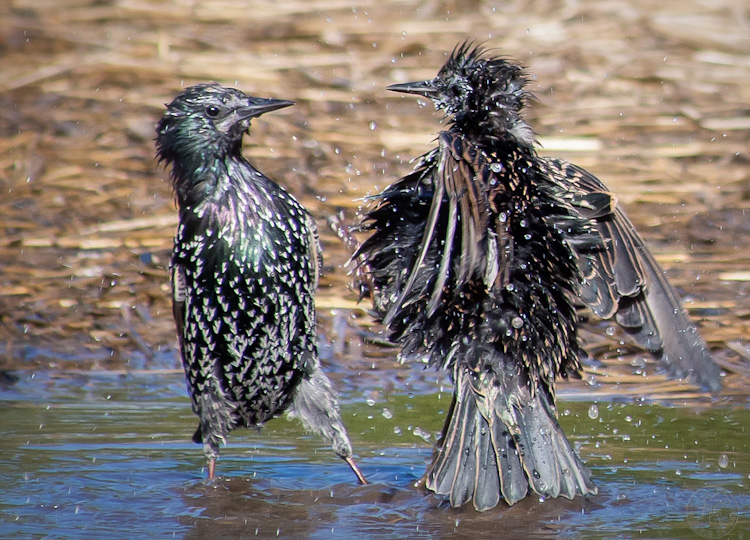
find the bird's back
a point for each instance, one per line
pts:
(493, 212)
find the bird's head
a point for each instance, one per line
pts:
(207, 120)
(480, 94)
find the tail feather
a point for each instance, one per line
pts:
(453, 471)
(503, 447)
(548, 459)
(487, 479)
(514, 484)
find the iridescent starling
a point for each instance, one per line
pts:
(244, 270)
(476, 260)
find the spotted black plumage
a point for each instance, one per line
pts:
(244, 271)
(474, 261)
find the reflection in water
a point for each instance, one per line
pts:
(292, 498)
(237, 507)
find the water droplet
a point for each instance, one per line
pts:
(723, 461)
(503, 217)
(387, 414)
(516, 322)
(419, 432)
(397, 430)
(610, 331)
(373, 125)
(536, 474)
(594, 412)
(496, 167)
(370, 402)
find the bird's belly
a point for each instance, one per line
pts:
(249, 347)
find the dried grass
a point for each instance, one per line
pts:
(652, 98)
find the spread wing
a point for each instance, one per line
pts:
(459, 209)
(624, 281)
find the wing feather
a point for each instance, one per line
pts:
(624, 280)
(459, 202)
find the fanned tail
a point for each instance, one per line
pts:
(499, 440)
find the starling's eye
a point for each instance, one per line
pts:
(212, 111)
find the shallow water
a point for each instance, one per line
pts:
(106, 455)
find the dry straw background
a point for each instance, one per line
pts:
(652, 97)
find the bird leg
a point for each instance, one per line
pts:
(357, 472)
(211, 468)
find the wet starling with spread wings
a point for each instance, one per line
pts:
(475, 260)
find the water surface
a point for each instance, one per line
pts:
(108, 455)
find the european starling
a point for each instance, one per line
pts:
(244, 270)
(475, 261)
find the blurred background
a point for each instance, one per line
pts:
(651, 97)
